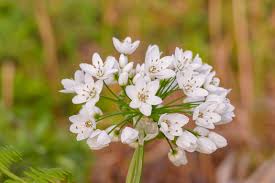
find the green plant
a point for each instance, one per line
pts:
(10, 156)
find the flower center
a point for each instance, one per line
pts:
(153, 69)
(100, 73)
(142, 96)
(88, 124)
(92, 93)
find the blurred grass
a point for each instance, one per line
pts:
(34, 115)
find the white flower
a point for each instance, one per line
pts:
(218, 140)
(100, 70)
(157, 67)
(70, 84)
(98, 139)
(177, 157)
(206, 116)
(143, 95)
(187, 141)
(129, 135)
(205, 145)
(140, 72)
(191, 83)
(83, 123)
(211, 83)
(125, 47)
(224, 108)
(171, 124)
(88, 92)
(182, 59)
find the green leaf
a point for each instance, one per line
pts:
(135, 168)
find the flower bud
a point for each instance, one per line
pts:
(219, 140)
(187, 141)
(123, 79)
(98, 140)
(123, 61)
(128, 135)
(177, 157)
(205, 145)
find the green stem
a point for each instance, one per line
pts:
(112, 114)
(108, 98)
(122, 122)
(110, 90)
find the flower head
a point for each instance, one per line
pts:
(143, 94)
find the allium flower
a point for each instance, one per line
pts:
(191, 83)
(129, 135)
(142, 98)
(177, 157)
(171, 124)
(205, 145)
(157, 67)
(206, 116)
(99, 69)
(99, 139)
(143, 95)
(84, 123)
(125, 47)
(187, 141)
(70, 84)
(88, 92)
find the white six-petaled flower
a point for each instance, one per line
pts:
(88, 92)
(144, 101)
(143, 95)
(99, 69)
(125, 47)
(171, 124)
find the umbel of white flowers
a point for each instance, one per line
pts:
(145, 110)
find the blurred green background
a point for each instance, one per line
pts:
(43, 41)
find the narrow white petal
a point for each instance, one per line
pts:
(145, 109)
(97, 61)
(131, 92)
(79, 99)
(154, 100)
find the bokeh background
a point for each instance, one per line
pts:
(43, 41)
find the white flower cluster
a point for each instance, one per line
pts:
(146, 113)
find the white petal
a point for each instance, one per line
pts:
(99, 85)
(109, 63)
(219, 140)
(145, 109)
(165, 74)
(154, 100)
(153, 87)
(198, 92)
(79, 99)
(140, 83)
(131, 92)
(205, 145)
(117, 44)
(79, 76)
(89, 79)
(135, 104)
(88, 68)
(97, 61)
